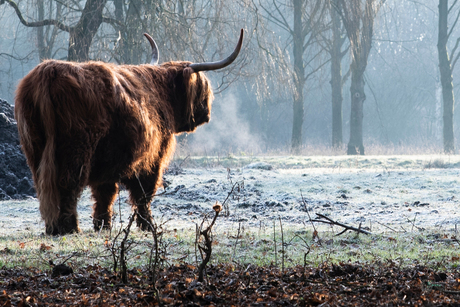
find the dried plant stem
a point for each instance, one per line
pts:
(154, 260)
(123, 249)
(197, 239)
(224, 204)
(282, 245)
(237, 238)
(306, 210)
(274, 241)
(207, 247)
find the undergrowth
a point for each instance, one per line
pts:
(258, 246)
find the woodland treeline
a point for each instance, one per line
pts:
(340, 74)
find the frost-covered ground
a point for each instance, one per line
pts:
(383, 193)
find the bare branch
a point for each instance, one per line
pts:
(112, 21)
(41, 23)
(454, 24)
(281, 23)
(344, 52)
(326, 220)
(346, 76)
(316, 69)
(451, 7)
(282, 16)
(452, 53)
(454, 61)
(17, 58)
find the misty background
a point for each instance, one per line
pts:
(255, 106)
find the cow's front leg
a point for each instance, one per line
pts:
(142, 188)
(104, 196)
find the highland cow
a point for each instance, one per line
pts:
(100, 125)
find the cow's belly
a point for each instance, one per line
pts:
(112, 161)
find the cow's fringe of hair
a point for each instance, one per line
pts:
(190, 80)
(197, 85)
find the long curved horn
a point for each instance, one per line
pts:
(219, 64)
(155, 52)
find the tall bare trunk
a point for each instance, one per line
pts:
(46, 35)
(299, 73)
(359, 24)
(355, 145)
(80, 36)
(445, 71)
(40, 32)
(336, 80)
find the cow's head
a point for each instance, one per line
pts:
(192, 87)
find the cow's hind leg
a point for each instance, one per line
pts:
(73, 165)
(104, 196)
(142, 189)
(67, 221)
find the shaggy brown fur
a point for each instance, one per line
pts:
(96, 124)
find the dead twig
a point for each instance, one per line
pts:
(124, 249)
(274, 242)
(235, 186)
(326, 220)
(282, 245)
(306, 210)
(413, 223)
(155, 257)
(237, 238)
(206, 248)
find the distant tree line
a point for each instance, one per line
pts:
(292, 48)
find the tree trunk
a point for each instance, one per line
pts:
(299, 73)
(81, 36)
(360, 26)
(40, 32)
(129, 48)
(134, 37)
(445, 71)
(46, 36)
(120, 56)
(355, 145)
(336, 81)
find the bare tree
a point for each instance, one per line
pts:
(81, 34)
(46, 35)
(334, 47)
(308, 22)
(135, 18)
(446, 66)
(358, 19)
(185, 29)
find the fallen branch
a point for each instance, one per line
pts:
(394, 230)
(329, 221)
(413, 224)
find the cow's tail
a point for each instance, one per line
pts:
(36, 118)
(47, 181)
